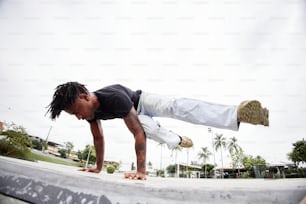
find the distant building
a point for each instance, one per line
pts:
(53, 148)
(187, 171)
(278, 170)
(229, 172)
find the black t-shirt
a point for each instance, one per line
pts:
(115, 101)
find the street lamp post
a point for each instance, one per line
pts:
(212, 138)
(46, 141)
(87, 160)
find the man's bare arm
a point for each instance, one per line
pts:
(98, 138)
(133, 123)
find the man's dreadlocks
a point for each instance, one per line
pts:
(64, 96)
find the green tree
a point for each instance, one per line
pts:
(171, 169)
(69, 147)
(16, 142)
(36, 144)
(298, 154)
(232, 145)
(235, 151)
(160, 173)
(204, 154)
(79, 154)
(219, 143)
(250, 163)
(236, 158)
(92, 156)
(63, 153)
(208, 168)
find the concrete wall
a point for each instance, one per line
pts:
(50, 183)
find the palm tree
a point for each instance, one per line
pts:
(235, 151)
(204, 154)
(176, 149)
(219, 143)
(232, 145)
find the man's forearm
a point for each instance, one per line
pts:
(134, 125)
(140, 147)
(97, 133)
(99, 147)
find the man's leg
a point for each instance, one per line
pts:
(201, 112)
(189, 110)
(161, 135)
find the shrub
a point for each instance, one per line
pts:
(110, 169)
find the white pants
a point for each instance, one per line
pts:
(185, 109)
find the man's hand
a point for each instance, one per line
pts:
(93, 170)
(134, 125)
(137, 176)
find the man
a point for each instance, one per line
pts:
(137, 108)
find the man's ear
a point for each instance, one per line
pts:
(84, 96)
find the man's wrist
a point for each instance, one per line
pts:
(143, 171)
(99, 166)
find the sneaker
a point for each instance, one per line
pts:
(252, 112)
(186, 142)
(266, 116)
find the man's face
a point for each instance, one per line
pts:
(82, 108)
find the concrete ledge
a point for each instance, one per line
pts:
(40, 182)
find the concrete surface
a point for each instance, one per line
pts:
(41, 182)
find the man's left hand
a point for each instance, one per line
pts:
(137, 176)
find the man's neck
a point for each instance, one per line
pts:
(95, 101)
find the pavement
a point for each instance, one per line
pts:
(41, 182)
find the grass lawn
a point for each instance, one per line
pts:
(47, 158)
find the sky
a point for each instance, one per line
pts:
(218, 51)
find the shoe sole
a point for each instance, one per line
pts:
(252, 112)
(186, 142)
(266, 116)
